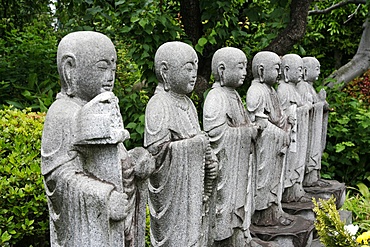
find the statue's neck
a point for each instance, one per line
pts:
(177, 95)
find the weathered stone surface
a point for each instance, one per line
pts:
(318, 121)
(178, 199)
(230, 131)
(298, 233)
(86, 168)
(265, 111)
(292, 105)
(279, 115)
(331, 188)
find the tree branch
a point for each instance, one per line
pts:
(294, 31)
(335, 6)
(359, 64)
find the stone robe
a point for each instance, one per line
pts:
(78, 201)
(263, 102)
(173, 136)
(295, 164)
(318, 120)
(229, 129)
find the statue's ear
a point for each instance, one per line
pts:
(261, 70)
(68, 64)
(221, 72)
(305, 71)
(286, 75)
(163, 70)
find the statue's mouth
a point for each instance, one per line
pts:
(108, 87)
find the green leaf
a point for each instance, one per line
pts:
(119, 2)
(199, 48)
(202, 41)
(143, 22)
(134, 19)
(131, 125)
(364, 190)
(5, 237)
(341, 146)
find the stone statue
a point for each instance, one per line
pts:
(290, 99)
(180, 186)
(318, 121)
(269, 222)
(231, 132)
(265, 111)
(88, 174)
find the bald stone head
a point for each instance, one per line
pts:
(311, 69)
(292, 68)
(176, 66)
(86, 64)
(266, 67)
(229, 66)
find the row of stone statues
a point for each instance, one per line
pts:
(224, 186)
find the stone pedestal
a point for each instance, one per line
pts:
(303, 209)
(298, 234)
(325, 192)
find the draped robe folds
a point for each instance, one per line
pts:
(78, 202)
(228, 126)
(317, 130)
(291, 103)
(173, 136)
(271, 144)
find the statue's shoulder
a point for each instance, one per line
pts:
(157, 113)
(216, 96)
(255, 95)
(256, 88)
(62, 111)
(58, 134)
(215, 108)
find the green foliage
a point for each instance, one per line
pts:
(27, 64)
(346, 155)
(21, 12)
(333, 38)
(146, 26)
(358, 202)
(23, 205)
(329, 226)
(133, 96)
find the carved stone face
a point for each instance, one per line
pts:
(293, 68)
(271, 70)
(311, 69)
(95, 71)
(235, 70)
(182, 75)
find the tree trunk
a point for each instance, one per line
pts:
(359, 64)
(295, 30)
(191, 19)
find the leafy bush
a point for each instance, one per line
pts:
(133, 96)
(332, 231)
(346, 156)
(358, 202)
(329, 226)
(23, 205)
(28, 71)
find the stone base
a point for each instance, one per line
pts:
(325, 192)
(303, 209)
(298, 234)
